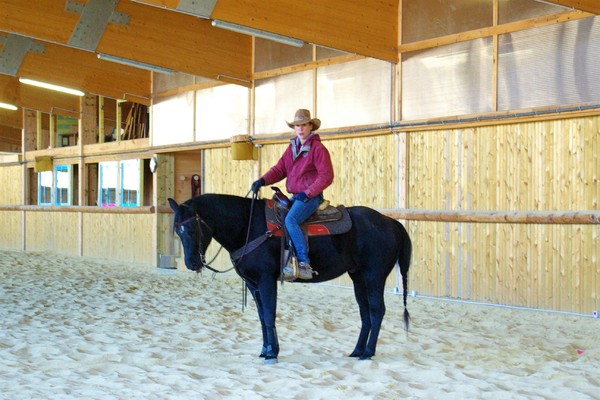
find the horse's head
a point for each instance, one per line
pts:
(194, 233)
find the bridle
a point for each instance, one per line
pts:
(200, 222)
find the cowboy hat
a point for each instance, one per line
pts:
(303, 117)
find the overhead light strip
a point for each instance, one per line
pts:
(258, 33)
(51, 86)
(133, 63)
(9, 106)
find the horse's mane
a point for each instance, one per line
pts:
(223, 205)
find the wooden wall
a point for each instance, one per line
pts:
(11, 228)
(125, 237)
(56, 232)
(547, 165)
(11, 178)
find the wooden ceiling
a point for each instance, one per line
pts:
(58, 41)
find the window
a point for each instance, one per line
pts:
(45, 188)
(120, 183)
(131, 183)
(62, 185)
(107, 186)
(55, 187)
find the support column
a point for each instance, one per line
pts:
(163, 240)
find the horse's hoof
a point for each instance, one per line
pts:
(269, 361)
(355, 354)
(363, 358)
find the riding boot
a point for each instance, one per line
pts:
(305, 271)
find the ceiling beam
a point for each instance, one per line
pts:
(77, 69)
(355, 26)
(199, 8)
(151, 35)
(11, 119)
(591, 6)
(180, 42)
(34, 98)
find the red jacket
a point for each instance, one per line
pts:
(309, 172)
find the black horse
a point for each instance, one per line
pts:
(368, 252)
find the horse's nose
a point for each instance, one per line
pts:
(192, 263)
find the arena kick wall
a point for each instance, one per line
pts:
(550, 165)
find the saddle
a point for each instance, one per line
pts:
(327, 220)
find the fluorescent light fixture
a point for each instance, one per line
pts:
(51, 86)
(133, 63)
(258, 33)
(8, 106)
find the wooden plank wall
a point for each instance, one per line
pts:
(547, 165)
(42, 228)
(11, 230)
(11, 178)
(124, 237)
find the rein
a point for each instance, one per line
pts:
(236, 256)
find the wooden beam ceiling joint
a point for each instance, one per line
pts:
(14, 49)
(94, 16)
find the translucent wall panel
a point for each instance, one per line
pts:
(426, 19)
(324, 52)
(173, 120)
(277, 99)
(446, 81)
(551, 65)
(221, 112)
(271, 55)
(518, 10)
(163, 82)
(355, 93)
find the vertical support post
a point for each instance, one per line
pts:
(119, 120)
(163, 183)
(100, 119)
(39, 140)
(52, 127)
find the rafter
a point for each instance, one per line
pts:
(591, 6)
(368, 29)
(152, 35)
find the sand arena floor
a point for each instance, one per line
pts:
(76, 328)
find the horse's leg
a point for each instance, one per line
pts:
(376, 312)
(268, 295)
(259, 307)
(361, 295)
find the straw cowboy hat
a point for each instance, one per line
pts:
(303, 117)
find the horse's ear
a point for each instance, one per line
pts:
(173, 204)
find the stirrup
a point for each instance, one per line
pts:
(290, 271)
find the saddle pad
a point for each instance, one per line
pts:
(331, 221)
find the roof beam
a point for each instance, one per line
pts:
(355, 26)
(591, 6)
(34, 98)
(199, 8)
(67, 66)
(11, 119)
(152, 35)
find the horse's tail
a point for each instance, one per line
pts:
(404, 257)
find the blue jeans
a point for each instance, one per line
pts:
(299, 212)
